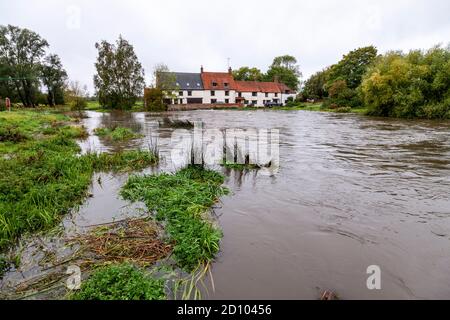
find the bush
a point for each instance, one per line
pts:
(407, 86)
(120, 282)
(435, 111)
(2, 105)
(78, 104)
(154, 99)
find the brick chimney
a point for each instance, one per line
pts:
(201, 69)
(230, 71)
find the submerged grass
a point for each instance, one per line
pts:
(176, 123)
(182, 201)
(43, 176)
(120, 282)
(135, 240)
(117, 133)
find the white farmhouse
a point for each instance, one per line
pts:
(220, 88)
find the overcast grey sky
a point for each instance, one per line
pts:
(187, 34)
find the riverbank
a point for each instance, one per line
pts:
(45, 178)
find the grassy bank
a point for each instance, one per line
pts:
(182, 201)
(43, 176)
(95, 106)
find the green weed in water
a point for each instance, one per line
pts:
(120, 282)
(182, 201)
(117, 133)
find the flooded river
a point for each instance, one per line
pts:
(350, 192)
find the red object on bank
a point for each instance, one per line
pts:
(8, 104)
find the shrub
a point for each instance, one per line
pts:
(120, 282)
(409, 85)
(154, 99)
(2, 105)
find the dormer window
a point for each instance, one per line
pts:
(214, 84)
(226, 84)
(198, 84)
(187, 84)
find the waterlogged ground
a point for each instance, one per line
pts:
(350, 192)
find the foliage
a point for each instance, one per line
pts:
(164, 79)
(181, 200)
(154, 99)
(54, 77)
(117, 133)
(247, 74)
(120, 78)
(315, 86)
(120, 282)
(76, 96)
(21, 52)
(285, 70)
(43, 175)
(353, 66)
(344, 78)
(4, 265)
(410, 85)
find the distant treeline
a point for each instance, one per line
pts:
(412, 85)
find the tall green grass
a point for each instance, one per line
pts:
(182, 200)
(43, 177)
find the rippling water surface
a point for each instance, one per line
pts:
(351, 192)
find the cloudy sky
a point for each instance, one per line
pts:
(187, 34)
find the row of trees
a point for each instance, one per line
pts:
(416, 84)
(25, 67)
(283, 68)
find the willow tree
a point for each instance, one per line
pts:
(120, 77)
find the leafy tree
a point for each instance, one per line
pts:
(120, 77)
(286, 70)
(248, 74)
(353, 66)
(314, 87)
(76, 96)
(21, 52)
(344, 78)
(53, 77)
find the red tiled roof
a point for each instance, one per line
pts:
(255, 86)
(220, 78)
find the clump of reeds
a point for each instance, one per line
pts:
(241, 159)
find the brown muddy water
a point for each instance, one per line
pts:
(350, 192)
